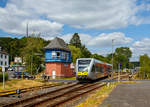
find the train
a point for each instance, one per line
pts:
(92, 69)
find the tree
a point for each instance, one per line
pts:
(99, 57)
(144, 67)
(33, 46)
(122, 56)
(85, 52)
(75, 53)
(75, 40)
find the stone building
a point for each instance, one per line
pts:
(58, 59)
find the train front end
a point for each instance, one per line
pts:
(82, 69)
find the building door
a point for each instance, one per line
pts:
(53, 74)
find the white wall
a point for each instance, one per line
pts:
(4, 60)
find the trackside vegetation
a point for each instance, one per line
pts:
(144, 72)
(1, 76)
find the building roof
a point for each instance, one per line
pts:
(3, 52)
(57, 43)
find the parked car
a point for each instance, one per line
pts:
(23, 75)
(10, 69)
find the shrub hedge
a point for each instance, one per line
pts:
(1, 76)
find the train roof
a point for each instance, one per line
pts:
(95, 60)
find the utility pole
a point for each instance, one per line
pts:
(112, 57)
(31, 61)
(27, 32)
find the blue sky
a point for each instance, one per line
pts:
(97, 22)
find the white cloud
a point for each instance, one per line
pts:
(14, 20)
(140, 48)
(105, 40)
(52, 14)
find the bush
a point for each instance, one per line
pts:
(1, 77)
(0, 69)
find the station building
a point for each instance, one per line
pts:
(58, 59)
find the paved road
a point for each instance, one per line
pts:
(129, 95)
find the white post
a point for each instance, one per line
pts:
(119, 72)
(3, 70)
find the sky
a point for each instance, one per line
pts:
(97, 22)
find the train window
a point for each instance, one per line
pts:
(102, 69)
(84, 62)
(97, 68)
(93, 68)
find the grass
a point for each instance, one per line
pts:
(96, 99)
(18, 84)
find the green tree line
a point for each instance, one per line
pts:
(31, 50)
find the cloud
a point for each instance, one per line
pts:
(14, 20)
(53, 14)
(140, 48)
(105, 40)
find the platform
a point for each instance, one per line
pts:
(129, 95)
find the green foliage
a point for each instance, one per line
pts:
(33, 46)
(144, 67)
(85, 52)
(11, 46)
(1, 76)
(75, 40)
(26, 47)
(122, 56)
(99, 57)
(75, 53)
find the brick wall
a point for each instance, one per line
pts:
(61, 69)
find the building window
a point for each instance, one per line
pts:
(1, 55)
(63, 55)
(1, 62)
(53, 54)
(5, 56)
(5, 63)
(67, 56)
(58, 55)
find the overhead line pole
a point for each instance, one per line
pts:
(27, 30)
(112, 57)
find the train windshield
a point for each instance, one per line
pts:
(84, 62)
(83, 65)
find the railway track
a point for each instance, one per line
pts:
(23, 90)
(54, 97)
